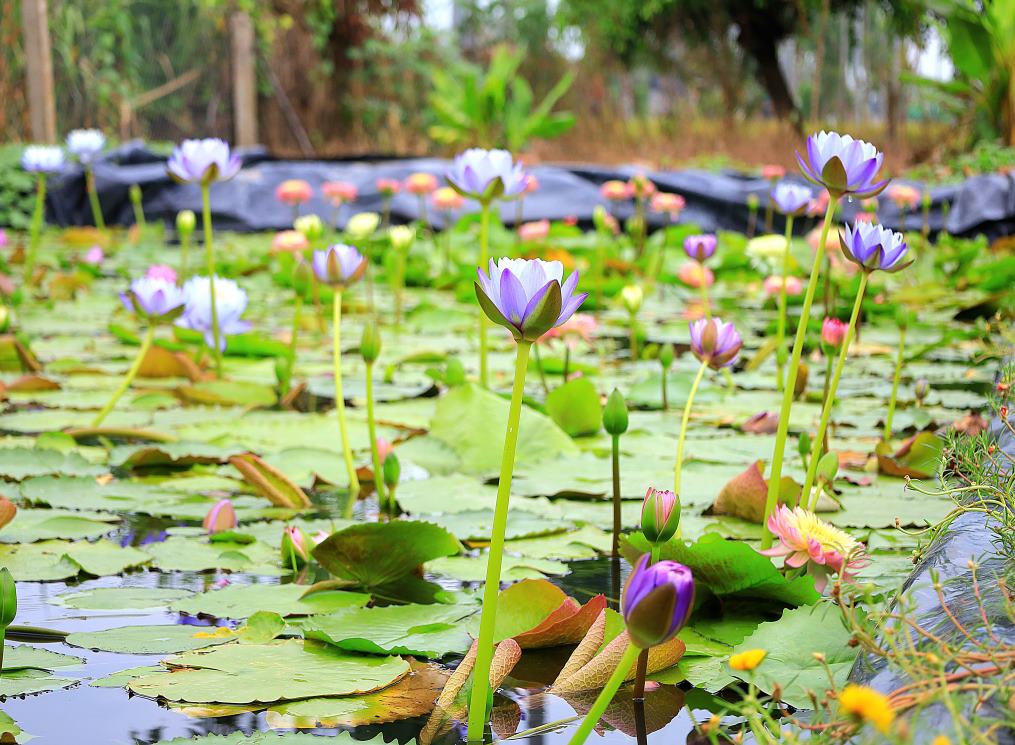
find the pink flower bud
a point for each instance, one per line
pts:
(161, 271)
(289, 241)
(447, 199)
(388, 187)
(94, 256)
(383, 449)
(534, 231)
(693, 274)
(773, 285)
(294, 191)
(660, 515)
(616, 191)
(295, 547)
(833, 332)
(220, 517)
(421, 184)
(339, 192)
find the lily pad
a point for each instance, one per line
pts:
(423, 630)
(121, 598)
(241, 601)
(151, 639)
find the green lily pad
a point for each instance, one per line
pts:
(241, 601)
(424, 630)
(23, 656)
(30, 680)
(285, 670)
(20, 463)
(122, 677)
(31, 525)
(152, 639)
(53, 560)
(121, 598)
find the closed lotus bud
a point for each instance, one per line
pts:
(657, 601)
(666, 356)
(660, 515)
(8, 599)
(921, 389)
(632, 297)
(303, 277)
(220, 517)
(635, 225)
(600, 219)
(804, 445)
(7, 511)
(903, 316)
(454, 373)
(362, 225)
(370, 343)
(615, 417)
(752, 201)
(186, 221)
(401, 237)
(715, 343)
(295, 547)
(800, 386)
(828, 467)
(135, 193)
(392, 470)
(311, 226)
(833, 332)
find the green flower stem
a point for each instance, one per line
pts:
(139, 218)
(484, 251)
(605, 696)
(780, 349)
(184, 256)
(297, 321)
(895, 386)
(615, 545)
(375, 455)
(826, 410)
(661, 257)
(209, 250)
(424, 218)
(634, 337)
(683, 427)
(566, 373)
(775, 477)
(703, 286)
(488, 620)
(666, 394)
(336, 360)
(93, 198)
(600, 277)
(399, 286)
(146, 344)
(36, 228)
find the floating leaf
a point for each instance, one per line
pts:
(744, 496)
(151, 639)
(918, 457)
(575, 407)
(269, 482)
(23, 656)
(423, 630)
(30, 680)
(241, 601)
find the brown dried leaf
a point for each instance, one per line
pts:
(33, 383)
(595, 674)
(745, 495)
(566, 625)
(585, 650)
(269, 482)
(7, 511)
(658, 709)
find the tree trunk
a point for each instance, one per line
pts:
(821, 36)
(760, 44)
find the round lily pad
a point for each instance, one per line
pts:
(121, 598)
(146, 639)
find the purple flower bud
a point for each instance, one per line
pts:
(660, 515)
(790, 198)
(86, 144)
(657, 601)
(921, 389)
(202, 162)
(42, 159)
(295, 547)
(155, 298)
(339, 265)
(842, 165)
(528, 296)
(220, 517)
(874, 247)
(715, 342)
(700, 247)
(230, 302)
(486, 175)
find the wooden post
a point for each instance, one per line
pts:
(39, 70)
(244, 80)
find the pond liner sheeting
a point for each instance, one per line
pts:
(969, 537)
(715, 200)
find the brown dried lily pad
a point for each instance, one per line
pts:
(566, 625)
(917, 458)
(745, 495)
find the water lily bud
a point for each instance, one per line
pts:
(803, 373)
(715, 343)
(903, 316)
(8, 598)
(635, 225)
(295, 547)
(392, 470)
(657, 601)
(401, 237)
(362, 225)
(666, 356)
(752, 201)
(370, 343)
(454, 373)
(828, 467)
(803, 445)
(632, 297)
(135, 193)
(303, 276)
(599, 219)
(921, 389)
(283, 371)
(220, 517)
(311, 226)
(660, 515)
(833, 332)
(7, 511)
(615, 418)
(186, 221)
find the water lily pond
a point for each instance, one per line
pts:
(150, 611)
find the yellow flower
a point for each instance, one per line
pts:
(747, 660)
(941, 740)
(867, 705)
(767, 247)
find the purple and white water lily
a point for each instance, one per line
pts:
(874, 247)
(715, 343)
(790, 198)
(528, 296)
(230, 302)
(86, 144)
(842, 165)
(486, 175)
(42, 159)
(339, 265)
(203, 161)
(155, 298)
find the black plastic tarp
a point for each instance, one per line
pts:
(982, 204)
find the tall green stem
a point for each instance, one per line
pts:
(488, 620)
(209, 250)
(375, 455)
(895, 385)
(336, 363)
(36, 229)
(775, 477)
(780, 349)
(683, 427)
(297, 321)
(184, 256)
(484, 251)
(605, 696)
(146, 344)
(93, 198)
(826, 410)
(615, 465)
